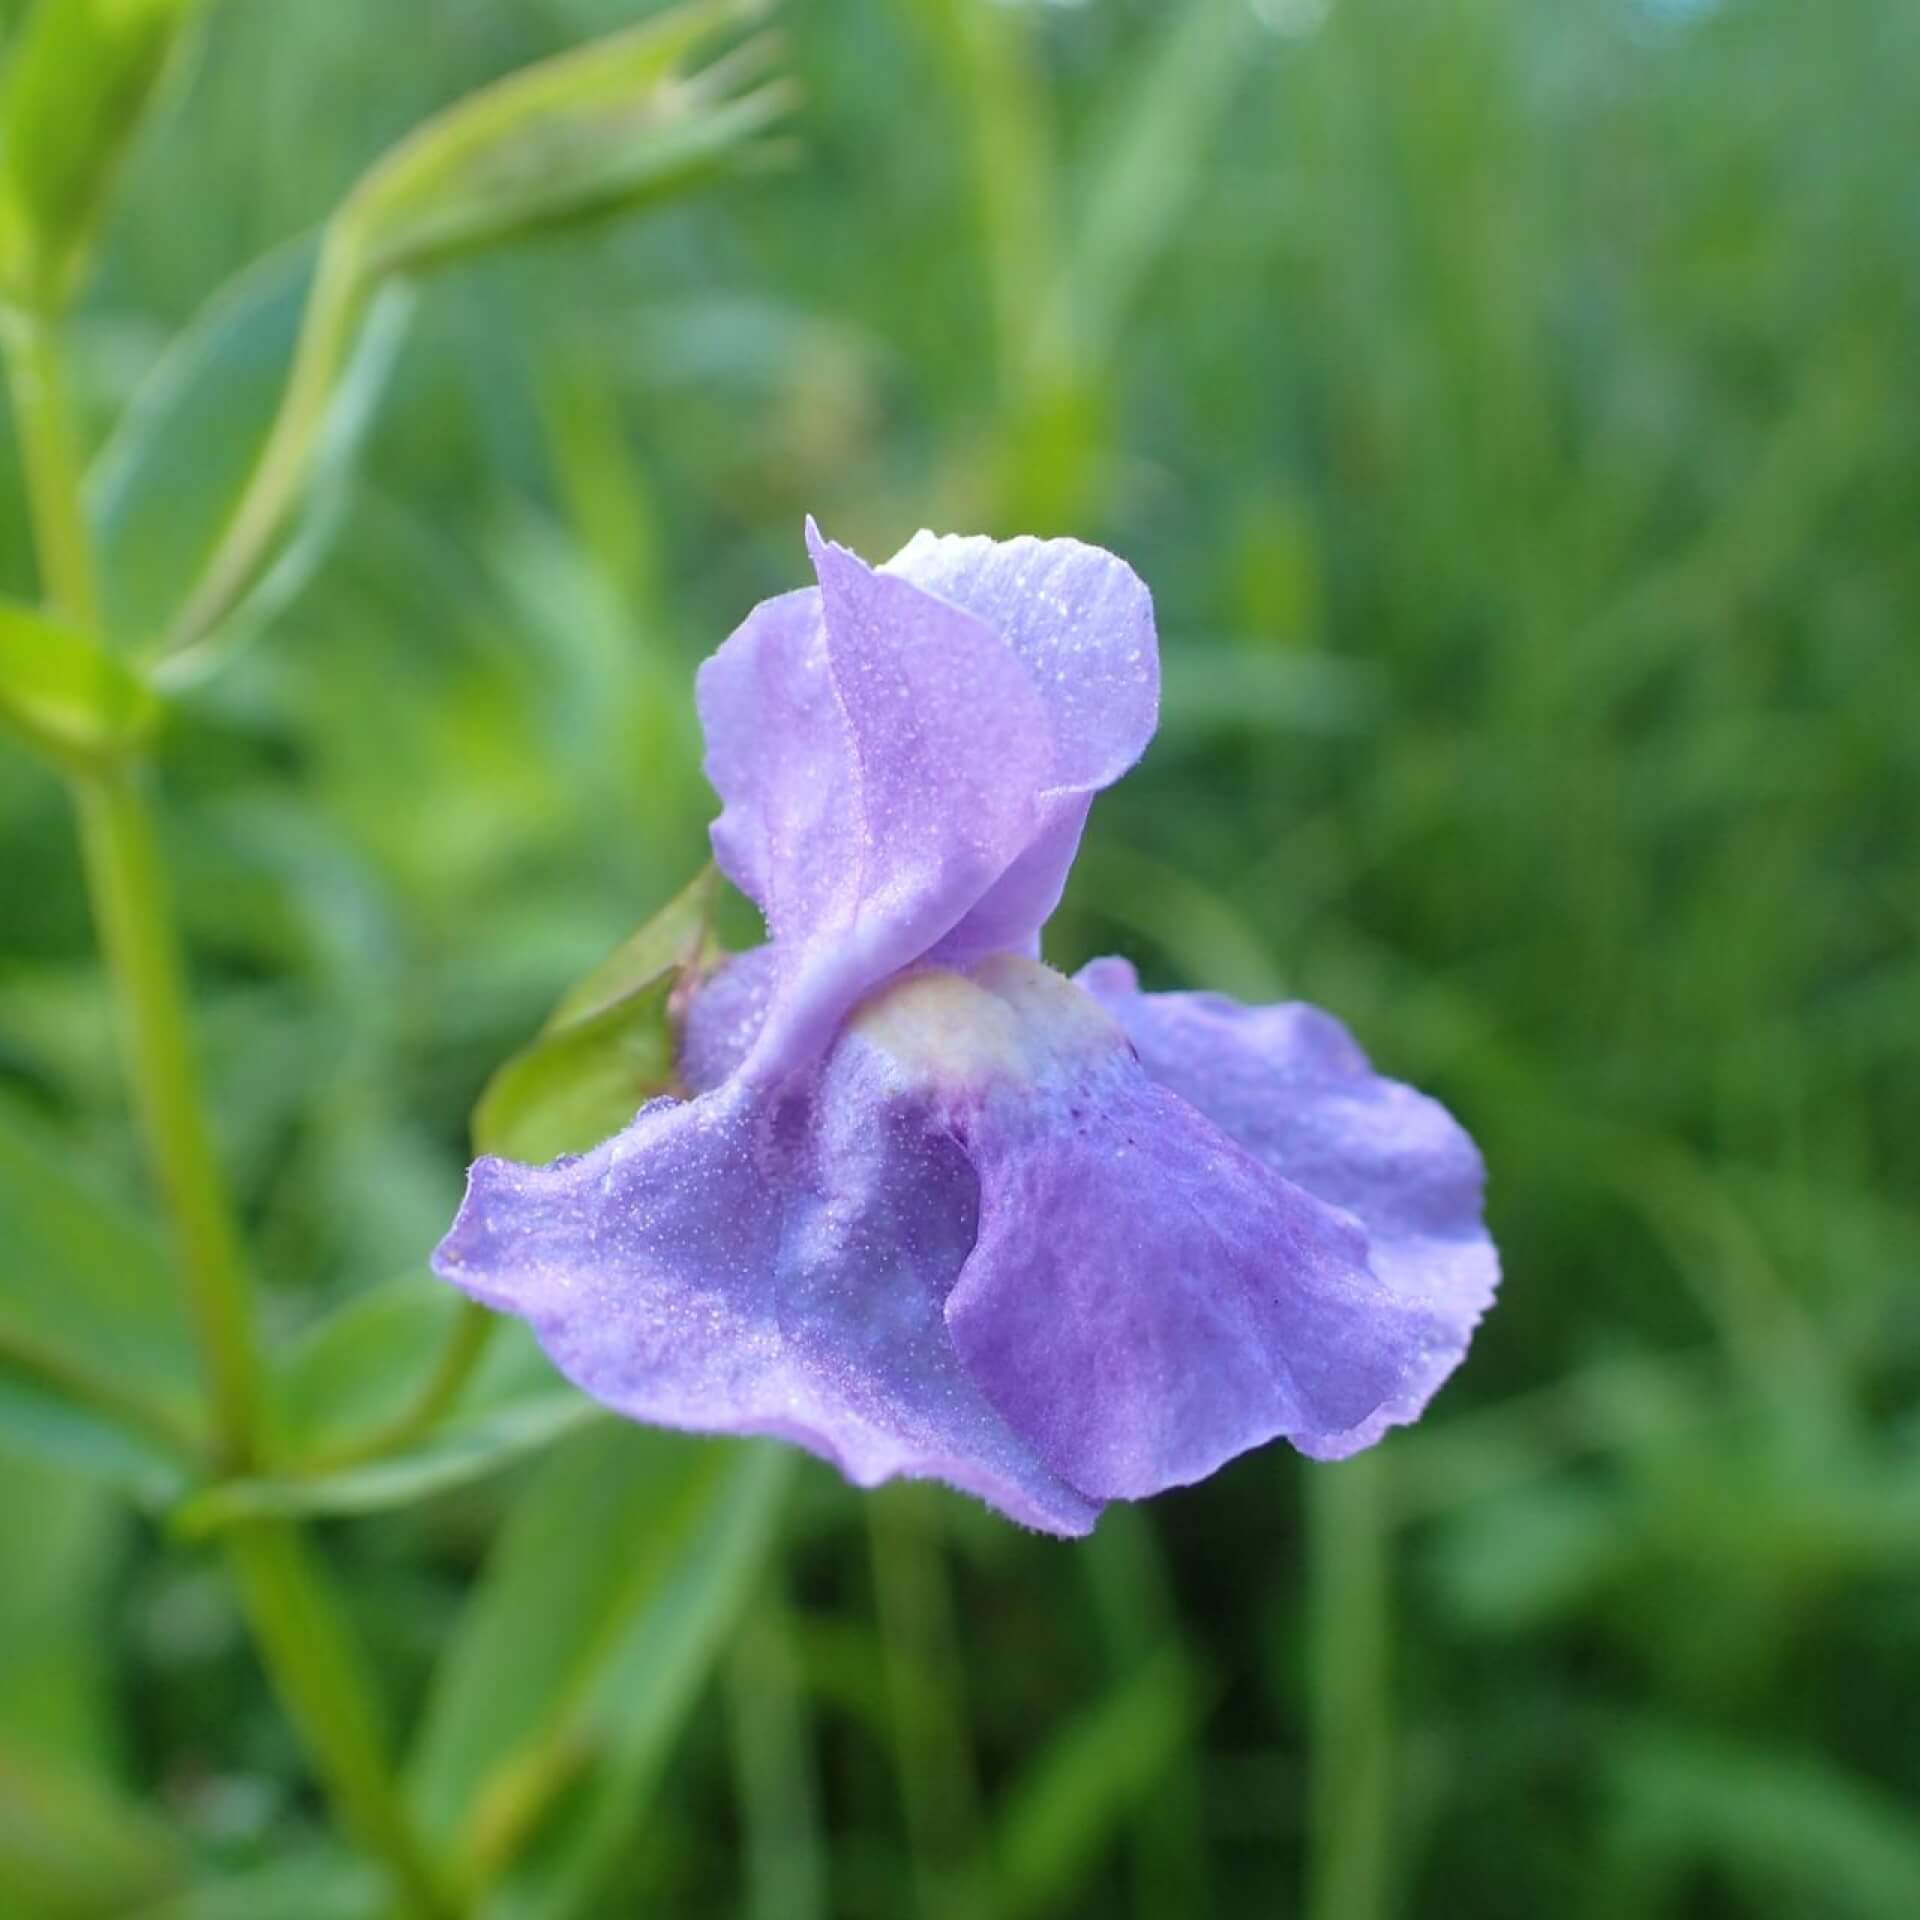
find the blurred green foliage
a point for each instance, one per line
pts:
(1511, 408)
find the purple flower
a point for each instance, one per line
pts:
(933, 1209)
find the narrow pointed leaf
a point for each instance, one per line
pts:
(653, 1685)
(1797, 1832)
(588, 133)
(73, 1848)
(166, 485)
(1082, 1789)
(76, 87)
(361, 1365)
(515, 1406)
(605, 128)
(97, 1367)
(299, 1882)
(607, 1601)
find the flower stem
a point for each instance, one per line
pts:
(306, 1642)
(1349, 1853)
(130, 910)
(50, 460)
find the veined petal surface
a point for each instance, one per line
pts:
(1145, 1299)
(1289, 1084)
(736, 1264)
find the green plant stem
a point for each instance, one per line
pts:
(465, 1344)
(50, 460)
(322, 1685)
(304, 1638)
(135, 927)
(1350, 1758)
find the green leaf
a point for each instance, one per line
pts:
(607, 1600)
(52, 1413)
(72, 1848)
(310, 1882)
(97, 1368)
(1800, 1834)
(516, 1406)
(594, 131)
(166, 485)
(1072, 1803)
(69, 1843)
(64, 693)
(76, 88)
(774, 1743)
(608, 1046)
(1150, 161)
(361, 1365)
(61, 1558)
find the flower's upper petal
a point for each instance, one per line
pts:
(882, 755)
(742, 1264)
(779, 753)
(1289, 1085)
(723, 1018)
(1144, 1299)
(1081, 622)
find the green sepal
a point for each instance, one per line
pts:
(609, 1045)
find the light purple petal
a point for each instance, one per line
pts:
(1077, 618)
(907, 756)
(724, 1016)
(1145, 1299)
(882, 755)
(778, 749)
(1289, 1084)
(1081, 622)
(743, 1265)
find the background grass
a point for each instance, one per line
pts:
(1513, 410)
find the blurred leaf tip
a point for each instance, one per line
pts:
(625, 122)
(78, 80)
(588, 132)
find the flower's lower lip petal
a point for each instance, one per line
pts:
(1289, 1085)
(1145, 1301)
(729, 1267)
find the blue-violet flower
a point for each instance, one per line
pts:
(933, 1209)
